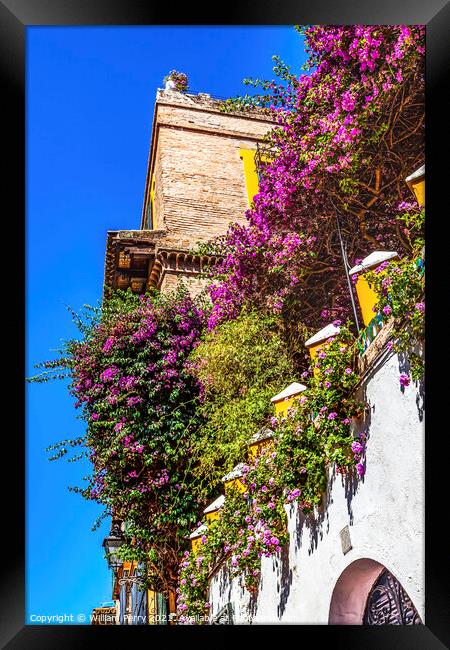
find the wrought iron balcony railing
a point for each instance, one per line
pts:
(368, 334)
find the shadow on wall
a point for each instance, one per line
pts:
(284, 581)
(253, 603)
(224, 582)
(360, 425)
(225, 586)
(315, 521)
(351, 482)
(308, 530)
(404, 366)
(318, 522)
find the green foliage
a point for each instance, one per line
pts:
(414, 228)
(241, 365)
(130, 377)
(273, 94)
(292, 466)
(400, 287)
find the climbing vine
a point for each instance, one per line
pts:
(293, 466)
(400, 285)
(347, 134)
(129, 377)
(240, 366)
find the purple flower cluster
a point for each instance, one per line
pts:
(109, 374)
(404, 379)
(323, 119)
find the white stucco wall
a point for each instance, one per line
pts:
(384, 512)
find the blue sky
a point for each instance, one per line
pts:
(90, 97)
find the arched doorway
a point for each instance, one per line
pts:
(366, 593)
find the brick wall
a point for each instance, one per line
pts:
(199, 176)
(200, 184)
(171, 280)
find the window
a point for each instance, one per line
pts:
(148, 219)
(149, 225)
(251, 175)
(254, 160)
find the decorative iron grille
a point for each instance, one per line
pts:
(264, 154)
(369, 333)
(389, 604)
(224, 616)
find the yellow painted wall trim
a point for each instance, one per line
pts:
(212, 516)
(251, 176)
(281, 408)
(416, 183)
(152, 607)
(314, 343)
(151, 226)
(418, 187)
(234, 483)
(257, 448)
(196, 537)
(367, 298)
(196, 544)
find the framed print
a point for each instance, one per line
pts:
(228, 283)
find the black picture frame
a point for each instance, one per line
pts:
(15, 17)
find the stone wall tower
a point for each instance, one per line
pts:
(201, 176)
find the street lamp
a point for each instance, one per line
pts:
(111, 544)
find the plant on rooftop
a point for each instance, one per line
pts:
(179, 79)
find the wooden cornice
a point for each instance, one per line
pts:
(139, 259)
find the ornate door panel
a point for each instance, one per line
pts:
(389, 604)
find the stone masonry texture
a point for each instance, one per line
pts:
(200, 184)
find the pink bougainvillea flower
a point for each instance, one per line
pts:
(357, 447)
(404, 379)
(360, 469)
